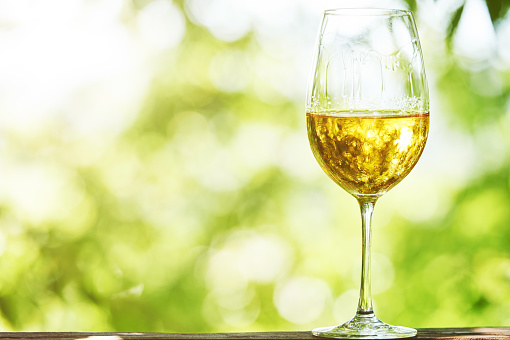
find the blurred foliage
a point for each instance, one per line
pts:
(206, 212)
(497, 10)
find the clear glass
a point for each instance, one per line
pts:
(367, 113)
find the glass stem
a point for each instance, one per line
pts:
(365, 298)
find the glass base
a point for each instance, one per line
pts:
(365, 327)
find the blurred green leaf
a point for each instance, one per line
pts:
(454, 22)
(497, 9)
(411, 4)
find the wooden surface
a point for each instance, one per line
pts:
(425, 333)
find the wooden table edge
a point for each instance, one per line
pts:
(474, 333)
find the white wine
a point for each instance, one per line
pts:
(367, 152)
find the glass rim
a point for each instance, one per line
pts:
(367, 12)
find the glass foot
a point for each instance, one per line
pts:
(364, 327)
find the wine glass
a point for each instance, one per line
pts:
(367, 115)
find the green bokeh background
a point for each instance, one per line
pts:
(185, 197)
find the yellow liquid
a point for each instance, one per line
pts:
(367, 153)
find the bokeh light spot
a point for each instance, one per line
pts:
(161, 24)
(301, 299)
